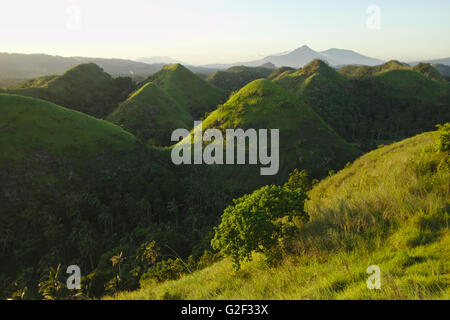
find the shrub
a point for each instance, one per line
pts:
(257, 222)
(443, 142)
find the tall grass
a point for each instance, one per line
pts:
(390, 208)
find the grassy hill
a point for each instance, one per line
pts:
(237, 77)
(86, 88)
(390, 208)
(192, 93)
(371, 105)
(426, 69)
(306, 141)
(71, 187)
(31, 125)
(280, 72)
(151, 115)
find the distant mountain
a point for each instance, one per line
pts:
(443, 69)
(300, 57)
(345, 57)
(23, 66)
(158, 60)
(444, 61)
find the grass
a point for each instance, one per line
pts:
(30, 125)
(191, 92)
(306, 141)
(389, 208)
(86, 88)
(150, 114)
(237, 77)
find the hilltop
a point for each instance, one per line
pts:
(151, 115)
(389, 209)
(191, 92)
(30, 125)
(86, 88)
(370, 105)
(237, 77)
(306, 141)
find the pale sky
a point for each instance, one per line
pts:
(223, 31)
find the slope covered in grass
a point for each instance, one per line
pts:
(86, 88)
(151, 115)
(390, 208)
(390, 102)
(192, 93)
(30, 125)
(237, 77)
(305, 141)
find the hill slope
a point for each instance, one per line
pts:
(84, 88)
(306, 141)
(30, 125)
(191, 92)
(390, 208)
(235, 78)
(373, 104)
(150, 114)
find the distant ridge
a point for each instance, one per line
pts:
(303, 55)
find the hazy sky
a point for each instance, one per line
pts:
(207, 31)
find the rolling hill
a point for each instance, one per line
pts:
(192, 93)
(151, 115)
(389, 209)
(86, 88)
(31, 125)
(306, 141)
(237, 77)
(369, 105)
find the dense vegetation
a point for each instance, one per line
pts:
(389, 208)
(191, 92)
(86, 88)
(80, 190)
(370, 105)
(151, 115)
(235, 78)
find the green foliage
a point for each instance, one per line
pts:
(389, 208)
(28, 125)
(237, 77)
(443, 141)
(151, 115)
(366, 105)
(298, 180)
(84, 88)
(306, 141)
(193, 94)
(257, 222)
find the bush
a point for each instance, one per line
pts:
(443, 142)
(257, 222)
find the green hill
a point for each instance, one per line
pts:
(151, 115)
(191, 92)
(390, 208)
(280, 72)
(427, 69)
(306, 141)
(86, 88)
(390, 102)
(31, 125)
(237, 77)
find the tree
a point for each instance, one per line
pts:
(257, 222)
